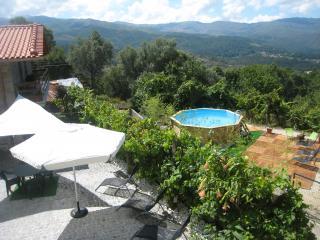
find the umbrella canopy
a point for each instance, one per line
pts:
(84, 144)
(26, 117)
(81, 144)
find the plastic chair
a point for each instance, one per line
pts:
(313, 137)
(289, 133)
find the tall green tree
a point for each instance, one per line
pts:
(129, 60)
(19, 20)
(89, 56)
(57, 63)
(115, 82)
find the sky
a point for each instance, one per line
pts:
(163, 11)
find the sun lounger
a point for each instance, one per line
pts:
(151, 231)
(143, 205)
(308, 158)
(120, 181)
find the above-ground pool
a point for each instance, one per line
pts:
(218, 125)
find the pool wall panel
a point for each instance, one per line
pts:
(222, 134)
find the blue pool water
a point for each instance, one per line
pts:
(203, 117)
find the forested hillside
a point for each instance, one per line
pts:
(159, 76)
(288, 42)
(300, 35)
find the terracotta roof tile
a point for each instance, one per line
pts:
(18, 42)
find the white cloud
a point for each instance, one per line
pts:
(232, 9)
(302, 7)
(256, 4)
(294, 6)
(161, 11)
(264, 18)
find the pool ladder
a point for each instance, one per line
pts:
(244, 130)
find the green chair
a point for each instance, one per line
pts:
(289, 133)
(313, 137)
(10, 180)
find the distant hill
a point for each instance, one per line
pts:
(3, 21)
(293, 42)
(299, 35)
(121, 34)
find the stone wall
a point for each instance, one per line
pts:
(11, 74)
(7, 87)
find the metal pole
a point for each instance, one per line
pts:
(75, 188)
(77, 212)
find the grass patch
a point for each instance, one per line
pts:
(34, 187)
(242, 144)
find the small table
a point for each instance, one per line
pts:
(25, 170)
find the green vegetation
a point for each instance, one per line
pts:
(287, 42)
(231, 197)
(88, 57)
(242, 143)
(153, 108)
(159, 74)
(266, 94)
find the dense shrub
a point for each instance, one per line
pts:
(81, 105)
(148, 147)
(238, 201)
(155, 109)
(231, 198)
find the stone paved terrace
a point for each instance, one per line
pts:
(49, 217)
(277, 151)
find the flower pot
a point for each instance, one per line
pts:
(269, 130)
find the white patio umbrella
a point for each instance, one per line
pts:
(83, 144)
(26, 117)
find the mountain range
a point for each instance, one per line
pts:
(293, 42)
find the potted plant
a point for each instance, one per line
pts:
(269, 130)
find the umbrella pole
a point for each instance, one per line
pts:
(77, 212)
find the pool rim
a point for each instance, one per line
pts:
(193, 126)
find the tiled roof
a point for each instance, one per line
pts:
(20, 42)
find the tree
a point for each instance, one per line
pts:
(155, 109)
(57, 65)
(190, 94)
(155, 84)
(88, 57)
(56, 55)
(155, 56)
(115, 82)
(18, 21)
(49, 39)
(128, 59)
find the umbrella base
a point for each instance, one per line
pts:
(79, 212)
